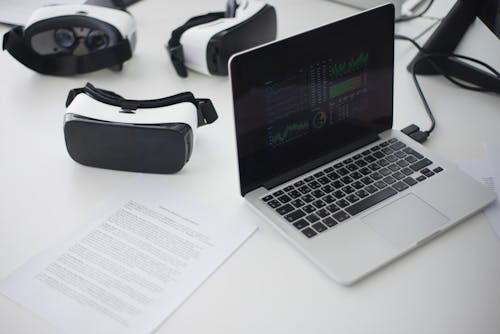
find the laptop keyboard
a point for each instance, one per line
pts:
(338, 192)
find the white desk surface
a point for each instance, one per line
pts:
(451, 285)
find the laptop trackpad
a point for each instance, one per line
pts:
(405, 221)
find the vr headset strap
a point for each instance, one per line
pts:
(15, 44)
(205, 108)
(174, 46)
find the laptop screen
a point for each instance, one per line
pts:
(312, 96)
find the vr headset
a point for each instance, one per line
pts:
(102, 129)
(73, 39)
(205, 43)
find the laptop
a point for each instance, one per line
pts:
(319, 160)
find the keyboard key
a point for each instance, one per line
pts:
(361, 163)
(410, 158)
(402, 163)
(322, 213)
(324, 180)
(365, 171)
(438, 170)
(328, 199)
(398, 175)
(371, 189)
(308, 208)
(309, 232)
(308, 198)
(374, 166)
(421, 178)
(319, 174)
(391, 158)
(274, 203)
(407, 171)
(283, 210)
(371, 200)
(312, 218)
(367, 180)
(383, 162)
(358, 185)
(314, 184)
(278, 193)
(429, 174)
(294, 215)
(352, 167)
(338, 165)
(328, 189)
(267, 198)
(288, 189)
(318, 193)
(411, 151)
(420, 164)
(340, 216)
(329, 221)
(386, 150)
(375, 148)
(346, 179)
(304, 189)
(333, 176)
(348, 189)
(384, 171)
(300, 224)
(400, 186)
(388, 180)
(356, 175)
(367, 152)
(284, 199)
(337, 184)
(370, 159)
(299, 184)
(309, 179)
(410, 181)
(380, 184)
(319, 227)
(338, 194)
(348, 161)
(297, 203)
(397, 146)
(332, 208)
(400, 154)
(378, 155)
(343, 171)
(392, 140)
(329, 170)
(352, 198)
(394, 167)
(319, 204)
(361, 193)
(343, 203)
(377, 176)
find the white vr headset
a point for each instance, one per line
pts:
(102, 129)
(73, 39)
(206, 42)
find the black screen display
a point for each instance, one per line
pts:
(312, 95)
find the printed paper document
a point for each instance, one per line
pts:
(129, 268)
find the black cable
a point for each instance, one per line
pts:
(406, 18)
(430, 57)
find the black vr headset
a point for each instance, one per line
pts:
(73, 39)
(102, 129)
(205, 43)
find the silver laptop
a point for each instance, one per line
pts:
(318, 157)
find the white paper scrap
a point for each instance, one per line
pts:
(483, 171)
(131, 267)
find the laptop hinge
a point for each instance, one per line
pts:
(306, 167)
